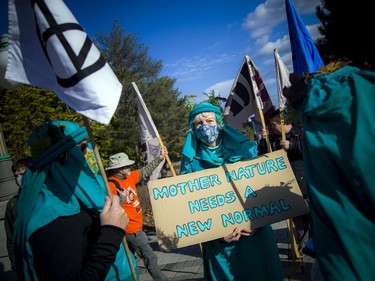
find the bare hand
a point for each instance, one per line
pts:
(124, 192)
(285, 144)
(163, 152)
(246, 232)
(113, 213)
(234, 236)
(264, 133)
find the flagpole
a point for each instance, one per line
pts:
(280, 85)
(269, 148)
(153, 127)
(105, 180)
(295, 252)
(259, 103)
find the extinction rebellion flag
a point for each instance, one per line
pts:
(49, 49)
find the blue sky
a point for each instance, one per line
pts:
(201, 43)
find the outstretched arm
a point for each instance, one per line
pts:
(147, 170)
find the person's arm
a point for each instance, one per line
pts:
(293, 144)
(9, 218)
(79, 247)
(147, 170)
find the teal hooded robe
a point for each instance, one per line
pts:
(52, 189)
(251, 258)
(338, 115)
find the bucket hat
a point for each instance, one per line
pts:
(119, 160)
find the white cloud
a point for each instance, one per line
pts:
(271, 13)
(268, 29)
(221, 89)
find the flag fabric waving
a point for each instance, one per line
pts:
(149, 135)
(247, 96)
(282, 78)
(49, 49)
(306, 58)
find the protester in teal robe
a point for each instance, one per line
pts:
(236, 256)
(338, 115)
(58, 184)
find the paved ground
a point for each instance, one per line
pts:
(186, 263)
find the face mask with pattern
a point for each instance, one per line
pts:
(207, 134)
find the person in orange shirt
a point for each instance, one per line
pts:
(122, 181)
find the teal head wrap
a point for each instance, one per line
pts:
(204, 107)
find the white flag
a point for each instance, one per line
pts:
(247, 96)
(149, 135)
(282, 78)
(49, 49)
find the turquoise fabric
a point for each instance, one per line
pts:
(52, 189)
(339, 123)
(236, 146)
(204, 107)
(251, 258)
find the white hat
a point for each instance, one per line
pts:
(119, 160)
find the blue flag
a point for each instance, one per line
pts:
(305, 55)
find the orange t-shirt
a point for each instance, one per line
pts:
(132, 205)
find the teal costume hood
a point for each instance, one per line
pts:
(58, 183)
(229, 139)
(338, 118)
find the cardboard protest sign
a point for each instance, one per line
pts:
(206, 205)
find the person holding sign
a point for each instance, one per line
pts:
(244, 254)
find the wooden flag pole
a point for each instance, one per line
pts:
(167, 157)
(269, 148)
(105, 180)
(289, 222)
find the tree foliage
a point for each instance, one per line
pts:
(131, 63)
(24, 108)
(344, 25)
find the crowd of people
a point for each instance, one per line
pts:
(65, 226)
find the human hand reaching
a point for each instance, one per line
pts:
(113, 213)
(163, 152)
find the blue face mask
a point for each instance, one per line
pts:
(207, 134)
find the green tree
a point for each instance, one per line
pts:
(212, 98)
(131, 63)
(24, 108)
(168, 113)
(344, 25)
